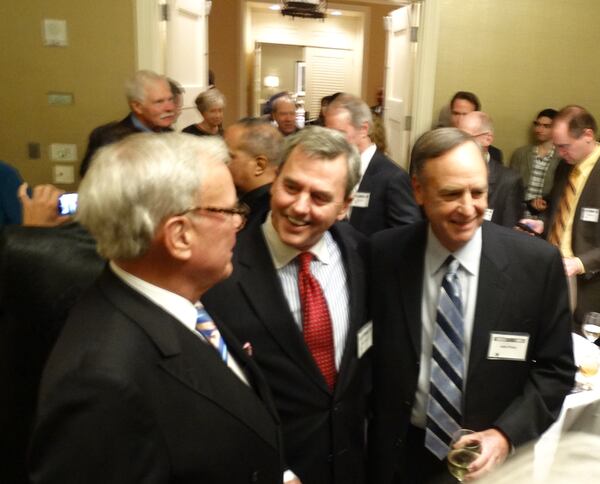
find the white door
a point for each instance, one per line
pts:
(187, 52)
(172, 39)
(329, 71)
(411, 56)
(257, 82)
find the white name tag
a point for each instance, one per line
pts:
(364, 338)
(508, 346)
(489, 212)
(361, 199)
(590, 214)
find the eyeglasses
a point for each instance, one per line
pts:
(537, 124)
(241, 210)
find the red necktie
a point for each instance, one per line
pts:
(316, 322)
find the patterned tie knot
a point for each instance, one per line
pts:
(207, 328)
(305, 258)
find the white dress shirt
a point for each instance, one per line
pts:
(327, 267)
(469, 257)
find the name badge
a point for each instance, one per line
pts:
(508, 346)
(590, 214)
(487, 215)
(364, 338)
(361, 199)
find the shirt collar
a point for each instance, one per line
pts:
(139, 125)
(468, 255)
(282, 254)
(174, 304)
(365, 158)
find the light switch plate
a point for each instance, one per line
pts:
(63, 152)
(64, 174)
(55, 33)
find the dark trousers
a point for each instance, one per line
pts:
(420, 466)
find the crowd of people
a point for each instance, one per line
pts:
(270, 303)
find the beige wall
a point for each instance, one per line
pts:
(519, 56)
(280, 60)
(100, 56)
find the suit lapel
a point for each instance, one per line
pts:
(259, 283)
(411, 261)
(189, 360)
(356, 279)
(492, 294)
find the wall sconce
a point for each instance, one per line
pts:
(271, 81)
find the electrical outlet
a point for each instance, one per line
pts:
(63, 152)
(64, 174)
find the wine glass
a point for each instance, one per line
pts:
(591, 326)
(459, 458)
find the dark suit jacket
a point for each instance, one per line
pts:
(105, 135)
(522, 289)
(259, 201)
(323, 432)
(585, 236)
(505, 194)
(130, 395)
(391, 201)
(43, 271)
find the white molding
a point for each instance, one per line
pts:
(147, 39)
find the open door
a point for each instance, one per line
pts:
(187, 52)
(411, 54)
(172, 39)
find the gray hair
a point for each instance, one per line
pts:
(484, 120)
(135, 88)
(208, 99)
(134, 184)
(436, 143)
(325, 144)
(280, 100)
(260, 137)
(356, 107)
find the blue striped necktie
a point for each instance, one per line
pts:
(444, 405)
(207, 328)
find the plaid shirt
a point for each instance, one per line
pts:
(538, 172)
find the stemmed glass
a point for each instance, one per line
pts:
(464, 449)
(591, 326)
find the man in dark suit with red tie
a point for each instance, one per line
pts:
(471, 325)
(297, 297)
(134, 390)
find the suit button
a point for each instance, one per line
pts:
(254, 477)
(330, 458)
(336, 408)
(398, 442)
(407, 403)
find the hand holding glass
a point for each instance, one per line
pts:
(464, 449)
(591, 326)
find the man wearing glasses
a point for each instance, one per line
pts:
(537, 163)
(505, 187)
(142, 385)
(297, 299)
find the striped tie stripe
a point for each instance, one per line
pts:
(564, 209)
(447, 370)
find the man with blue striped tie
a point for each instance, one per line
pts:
(471, 325)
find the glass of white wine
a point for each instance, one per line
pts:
(591, 326)
(464, 449)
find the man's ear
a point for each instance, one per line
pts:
(344, 208)
(261, 165)
(136, 107)
(417, 190)
(178, 234)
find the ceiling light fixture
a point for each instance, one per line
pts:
(304, 8)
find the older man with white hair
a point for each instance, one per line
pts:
(142, 385)
(152, 109)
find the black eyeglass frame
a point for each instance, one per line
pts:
(241, 209)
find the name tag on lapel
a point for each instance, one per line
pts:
(590, 214)
(508, 346)
(488, 214)
(361, 199)
(364, 338)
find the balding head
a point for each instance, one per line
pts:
(479, 125)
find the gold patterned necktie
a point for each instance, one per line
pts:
(565, 208)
